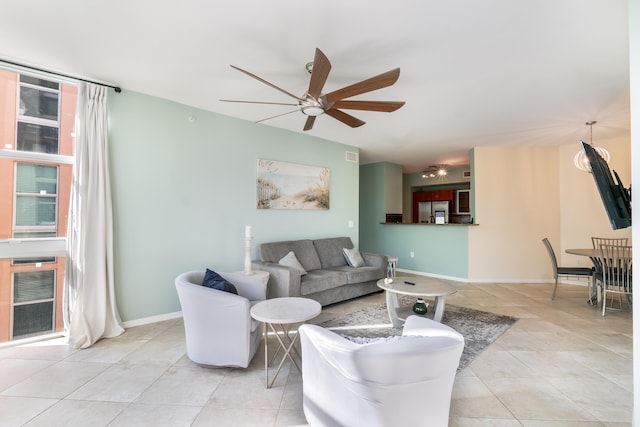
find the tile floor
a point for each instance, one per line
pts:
(561, 364)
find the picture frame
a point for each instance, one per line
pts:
(282, 185)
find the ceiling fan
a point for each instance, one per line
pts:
(314, 103)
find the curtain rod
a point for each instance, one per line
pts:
(42, 70)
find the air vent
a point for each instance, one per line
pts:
(466, 174)
(352, 157)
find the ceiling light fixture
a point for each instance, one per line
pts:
(581, 161)
(311, 107)
(435, 171)
(312, 110)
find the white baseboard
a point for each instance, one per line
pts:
(437, 276)
(152, 319)
(464, 280)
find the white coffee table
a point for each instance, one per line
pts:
(283, 313)
(422, 287)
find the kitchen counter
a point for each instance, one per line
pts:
(450, 224)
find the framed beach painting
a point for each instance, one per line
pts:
(282, 185)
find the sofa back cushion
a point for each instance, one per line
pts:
(330, 251)
(303, 249)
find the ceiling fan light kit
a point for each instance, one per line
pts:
(314, 103)
(312, 110)
(311, 106)
(435, 171)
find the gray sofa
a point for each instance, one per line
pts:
(329, 278)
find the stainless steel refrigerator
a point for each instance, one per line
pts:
(430, 212)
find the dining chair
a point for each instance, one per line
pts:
(567, 272)
(597, 265)
(597, 241)
(616, 278)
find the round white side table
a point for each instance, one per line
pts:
(283, 313)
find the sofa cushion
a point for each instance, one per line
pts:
(304, 250)
(330, 251)
(215, 281)
(290, 260)
(353, 257)
(360, 274)
(321, 280)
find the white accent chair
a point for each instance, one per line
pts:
(218, 326)
(401, 381)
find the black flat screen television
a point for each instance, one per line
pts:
(615, 197)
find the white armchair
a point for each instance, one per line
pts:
(401, 381)
(218, 326)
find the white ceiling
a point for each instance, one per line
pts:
(473, 73)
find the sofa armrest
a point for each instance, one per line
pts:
(283, 281)
(375, 260)
(250, 287)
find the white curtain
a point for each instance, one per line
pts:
(89, 301)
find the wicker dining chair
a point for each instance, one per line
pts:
(616, 276)
(567, 272)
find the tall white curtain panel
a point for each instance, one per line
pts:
(89, 301)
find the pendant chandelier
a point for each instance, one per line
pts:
(581, 161)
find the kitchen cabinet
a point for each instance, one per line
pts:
(436, 195)
(463, 206)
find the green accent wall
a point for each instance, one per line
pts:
(439, 250)
(183, 191)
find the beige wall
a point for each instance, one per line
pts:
(585, 215)
(516, 205)
(524, 194)
(634, 76)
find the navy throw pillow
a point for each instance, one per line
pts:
(215, 281)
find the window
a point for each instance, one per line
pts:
(39, 260)
(37, 138)
(36, 198)
(38, 98)
(33, 303)
(36, 160)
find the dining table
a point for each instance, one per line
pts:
(593, 254)
(589, 252)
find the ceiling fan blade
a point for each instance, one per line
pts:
(257, 102)
(321, 68)
(369, 85)
(345, 118)
(383, 106)
(309, 123)
(278, 115)
(266, 82)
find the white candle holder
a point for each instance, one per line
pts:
(247, 255)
